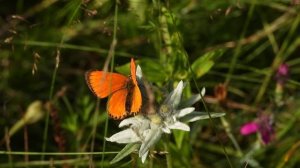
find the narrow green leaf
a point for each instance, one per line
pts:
(179, 136)
(128, 149)
(151, 68)
(138, 7)
(204, 63)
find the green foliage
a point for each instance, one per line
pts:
(125, 152)
(47, 46)
(204, 63)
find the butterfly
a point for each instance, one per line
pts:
(124, 94)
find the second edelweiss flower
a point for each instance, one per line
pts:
(171, 110)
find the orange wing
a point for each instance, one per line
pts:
(133, 71)
(136, 101)
(116, 105)
(103, 83)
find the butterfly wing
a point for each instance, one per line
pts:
(116, 105)
(136, 97)
(136, 102)
(104, 83)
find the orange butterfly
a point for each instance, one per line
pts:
(125, 93)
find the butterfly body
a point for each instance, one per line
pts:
(123, 92)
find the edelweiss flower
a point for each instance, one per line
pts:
(171, 110)
(146, 130)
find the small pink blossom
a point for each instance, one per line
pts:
(263, 125)
(282, 73)
(249, 128)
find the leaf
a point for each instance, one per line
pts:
(179, 136)
(151, 68)
(124, 69)
(138, 7)
(88, 107)
(71, 123)
(204, 63)
(192, 100)
(128, 149)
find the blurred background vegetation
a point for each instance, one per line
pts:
(233, 48)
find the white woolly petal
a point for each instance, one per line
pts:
(192, 100)
(195, 115)
(144, 156)
(151, 138)
(134, 121)
(128, 121)
(203, 91)
(175, 96)
(185, 111)
(196, 118)
(126, 136)
(139, 73)
(146, 132)
(180, 126)
(166, 130)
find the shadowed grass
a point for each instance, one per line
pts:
(171, 41)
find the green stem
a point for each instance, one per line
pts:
(44, 145)
(199, 91)
(112, 55)
(71, 46)
(239, 45)
(277, 60)
(168, 156)
(230, 135)
(53, 153)
(47, 114)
